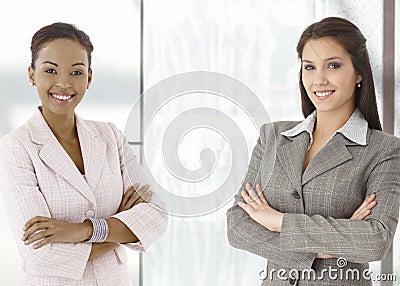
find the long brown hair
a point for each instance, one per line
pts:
(353, 41)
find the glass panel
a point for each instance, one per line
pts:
(369, 18)
(253, 42)
(116, 58)
(396, 241)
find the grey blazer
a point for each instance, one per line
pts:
(318, 204)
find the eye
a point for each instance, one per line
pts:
(333, 66)
(77, 73)
(309, 67)
(50, 71)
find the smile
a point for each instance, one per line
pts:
(62, 97)
(323, 93)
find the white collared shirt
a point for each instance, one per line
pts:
(355, 129)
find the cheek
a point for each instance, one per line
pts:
(347, 82)
(80, 85)
(307, 82)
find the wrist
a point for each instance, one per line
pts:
(279, 222)
(87, 230)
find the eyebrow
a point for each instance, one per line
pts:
(54, 64)
(328, 59)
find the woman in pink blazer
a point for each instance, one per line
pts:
(74, 191)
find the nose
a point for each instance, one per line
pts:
(63, 82)
(320, 78)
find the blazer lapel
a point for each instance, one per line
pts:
(331, 155)
(93, 152)
(291, 156)
(56, 158)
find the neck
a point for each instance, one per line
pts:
(328, 122)
(62, 126)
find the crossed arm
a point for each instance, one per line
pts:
(257, 207)
(43, 230)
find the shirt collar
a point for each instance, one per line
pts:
(355, 129)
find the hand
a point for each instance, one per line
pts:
(259, 210)
(365, 208)
(133, 197)
(361, 213)
(53, 230)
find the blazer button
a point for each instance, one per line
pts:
(296, 195)
(90, 213)
(292, 280)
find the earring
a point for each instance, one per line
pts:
(359, 84)
(32, 84)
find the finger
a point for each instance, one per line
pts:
(247, 198)
(34, 228)
(247, 208)
(145, 198)
(368, 204)
(365, 204)
(261, 195)
(363, 215)
(42, 243)
(142, 193)
(34, 220)
(249, 186)
(252, 194)
(134, 200)
(136, 186)
(263, 199)
(127, 196)
(140, 196)
(37, 236)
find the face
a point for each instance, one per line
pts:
(329, 76)
(61, 75)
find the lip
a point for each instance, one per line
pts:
(328, 92)
(61, 94)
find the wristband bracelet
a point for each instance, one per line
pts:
(100, 229)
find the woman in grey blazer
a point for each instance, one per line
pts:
(321, 197)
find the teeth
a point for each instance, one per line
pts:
(325, 93)
(61, 97)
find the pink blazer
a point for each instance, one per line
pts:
(39, 178)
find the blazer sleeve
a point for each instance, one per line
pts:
(246, 234)
(24, 200)
(357, 241)
(146, 220)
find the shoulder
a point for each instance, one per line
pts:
(16, 145)
(19, 136)
(383, 141)
(275, 128)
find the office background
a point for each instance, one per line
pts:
(140, 43)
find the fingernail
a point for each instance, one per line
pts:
(35, 246)
(136, 185)
(24, 228)
(23, 237)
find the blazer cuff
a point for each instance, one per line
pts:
(146, 222)
(291, 236)
(61, 259)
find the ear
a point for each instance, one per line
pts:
(359, 78)
(31, 75)
(90, 73)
